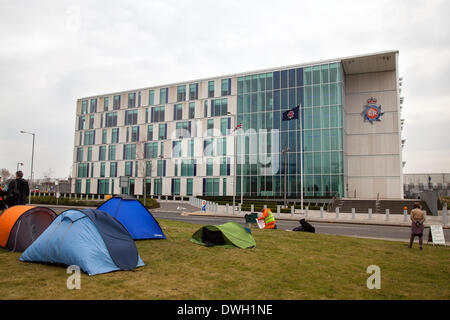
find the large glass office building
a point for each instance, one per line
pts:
(226, 135)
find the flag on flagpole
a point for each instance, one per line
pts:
(291, 114)
(237, 127)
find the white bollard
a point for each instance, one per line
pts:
(239, 208)
(321, 212)
(252, 208)
(353, 213)
(444, 214)
(387, 214)
(292, 209)
(278, 209)
(405, 215)
(370, 213)
(306, 212)
(337, 213)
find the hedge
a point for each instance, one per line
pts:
(49, 200)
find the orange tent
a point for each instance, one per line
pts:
(21, 225)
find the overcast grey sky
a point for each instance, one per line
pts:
(53, 52)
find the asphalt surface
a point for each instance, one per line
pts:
(354, 230)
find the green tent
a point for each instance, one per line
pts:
(227, 235)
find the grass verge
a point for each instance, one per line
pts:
(284, 265)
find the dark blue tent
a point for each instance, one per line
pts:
(132, 214)
(90, 239)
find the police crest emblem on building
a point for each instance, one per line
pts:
(372, 111)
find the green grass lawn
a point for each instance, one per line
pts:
(284, 265)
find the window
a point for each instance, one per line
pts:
(162, 131)
(225, 166)
(79, 154)
(219, 107)
(193, 91)
(226, 87)
(151, 97)
(151, 150)
(84, 107)
(131, 117)
(78, 186)
(211, 89)
(116, 102)
(150, 132)
(176, 149)
(102, 169)
(210, 127)
(158, 186)
(158, 114)
(88, 186)
(176, 186)
(113, 169)
(132, 100)
(191, 112)
(183, 130)
(188, 167)
(225, 126)
(163, 95)
(115, 135)
(222, 147)
(205, 109)
(106, 104)
(91, 121)
(161, 168)
(103, 186)
(83, 170)
(135, 134)
(104, 136)
(148, 168)
(111, 119)
(208, 147)
(93, 106)
(190, 148)
(129, 168)
(81, 122)
(189, 184)
(177, 111)
(112, 152)
(181, 93)
(209, 167)
(89, 154)
(211, 186)
(139, 98)
(102, 153)
(89, 137)
(129, 151)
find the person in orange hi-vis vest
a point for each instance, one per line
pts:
(269, 219)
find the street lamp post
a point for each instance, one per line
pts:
(32, 158)
(19, 163)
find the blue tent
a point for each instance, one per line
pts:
(132, 214)
(90, 239)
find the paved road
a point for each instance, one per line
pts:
(355, 230)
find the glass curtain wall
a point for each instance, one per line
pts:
(261, 101)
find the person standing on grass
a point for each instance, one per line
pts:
(417, 217)
(18, 190)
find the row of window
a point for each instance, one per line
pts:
(299, 77)
(183, 129)
(135, 100)
(182, 167)
(218, 107)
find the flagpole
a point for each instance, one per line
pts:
(301, 158)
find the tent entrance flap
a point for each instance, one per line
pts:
(212, 237)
